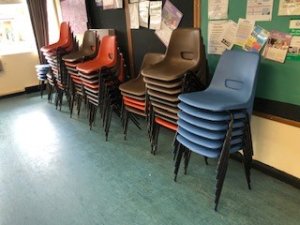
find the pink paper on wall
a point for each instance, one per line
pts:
(74, 11)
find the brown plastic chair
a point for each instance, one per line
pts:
(166, 80)
(87, 50)
(134, 91)
(58, 80)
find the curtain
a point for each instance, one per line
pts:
(39, 20)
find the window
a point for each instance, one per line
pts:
(16, 34)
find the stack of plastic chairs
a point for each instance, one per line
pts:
(58, 80)
(134, 93)
(98, 74)
(87, 51)
(41, 72)
(216, 122)
(175, 74)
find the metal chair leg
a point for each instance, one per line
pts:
(187, 156)
(126, 119)
(155, 138)
(206, 160)
(178, 160)
(223, 163)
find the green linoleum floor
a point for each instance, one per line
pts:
(54, 170)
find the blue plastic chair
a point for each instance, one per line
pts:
(216, 122)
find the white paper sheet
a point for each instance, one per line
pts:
(144, 13)
(155, 15)
(217, 9)
(259, 10)
(289, 7)
(112, 4)
(227, 38)
(164, 34)
(244, 30)
(134, 15)
(215, 30)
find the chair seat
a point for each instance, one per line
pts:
(134, 87)
(139, 98)
(213, 100)
(135, 111)
(173, 84)
(165, 107)
(210, 153)
(168, 70)
(209, 115)
(209, 125)
(166, 113)
(212, 135)
(153, 99)
(169, 91)
(166, 123)
(170, 98)
(204, 142)
(79, 55)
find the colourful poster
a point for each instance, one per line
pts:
(277, 46)
(257, 39)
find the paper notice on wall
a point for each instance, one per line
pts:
(294, 48)
(215, 30)
(289, 7)
(257, 39)
(155, 15)
(99, 2)
(144, 13)
(112, 4)
(171, 18)
(277, 46)
(259, 10)
(244, 30)
(227, 38)
(134, 15)
(217, 9)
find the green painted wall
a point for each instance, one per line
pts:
(276, 81)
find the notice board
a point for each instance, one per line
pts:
(279, 83)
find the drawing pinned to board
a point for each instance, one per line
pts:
(171, 18)
(257, 39)
(217, 9)
(277, 46)
(294, 49)
(289, 7)
(259, 10)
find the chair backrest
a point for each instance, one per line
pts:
(236, 74)
(108, 53)
(185, 45)
(89, 42)
(150, 59)
(65, 33)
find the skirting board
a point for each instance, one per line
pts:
(27, 90)
(271, 171)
